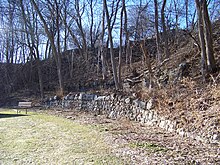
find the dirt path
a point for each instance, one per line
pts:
(147, 145)
(88, 139)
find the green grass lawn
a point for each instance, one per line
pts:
(43, 139)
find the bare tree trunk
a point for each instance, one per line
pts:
(102, 44)
(120, 47)
(92, 22)
(59, 62)
(205, 37)
(211, 64)
(159, 58)
(126, 31)
(71, 64)
(201, 39)
(130, 53)
(111, 47)
(176, 20)
(55, 52)
(127, 52)
(7, 51)
(12, 31)
(40, 77)
(98, 57)
(65, 29)
(73, 37)
(46, 54)
(187, 5)
(165, 38)
(147, 61)
(33, 44)
(78, 20)
(193, 23)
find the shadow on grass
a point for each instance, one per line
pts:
(2, 115)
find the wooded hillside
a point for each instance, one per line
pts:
(61, 46)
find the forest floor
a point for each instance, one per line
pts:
(75, 137)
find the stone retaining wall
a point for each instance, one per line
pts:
(116, 106)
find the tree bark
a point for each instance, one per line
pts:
(120, 46)
(208, 63)
(211, 64)
(92, 23)
(111, 46)
(147, 61)
(201, 39)
(59, 61)
(101, 44)
(54, 49)
(156, 25)
(165, 37)
(65, 29)
(33, 45)
(187, 5)
(78, 20)
(40, 77)
(76, 42)
(126, 32)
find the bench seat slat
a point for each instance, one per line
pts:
(24, 105)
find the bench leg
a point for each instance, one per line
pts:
(26, 111)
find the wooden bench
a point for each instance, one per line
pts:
(24, 105)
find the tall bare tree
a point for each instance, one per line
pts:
(156, 19)
(205, 37)
(10, 33)
(101, 45)
(111, 46)
(78, 18)
(126, 31)
(211, 63)
(91, 5)
(55, 50)
(120, 44)
(31, 30)
(147, 62)
(187, 13)
(164, 34)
